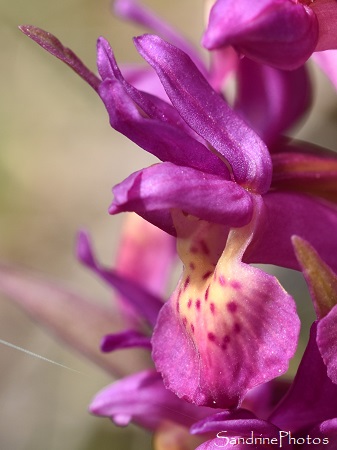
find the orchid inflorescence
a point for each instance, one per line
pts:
(230, 190)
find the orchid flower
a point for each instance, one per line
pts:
(307, 415)
(142, 397)
(279, 98)
(237, 326)
(228, 201)
(280, 33)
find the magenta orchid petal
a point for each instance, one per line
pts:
(137, 13)
(169, 186)
(327, 61)
(228, 326)
(312, 397)
(280, 33)
(125, 339)
(167, 142)
(145, 303)
(150, 104)
(161, 219)
(277, 101)
(143, 399)
(239, 422)
(53, 46)
(327, 342)
(327, 432)
(232, 427)
(326, 13)
(263, 398)
(288, 214)
(207, 113)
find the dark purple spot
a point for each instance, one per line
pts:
(177, 306)
(192, 266)
(184, 319)
(222, 280)
(192, 327)
(204, 247)
(211, 337)
(189, 303)
(206, 293)
(197, 304)
(187, 282)
(226, 339)
(235, 284)
(212, 308)
(206, 275)
(232, 307)
(237, 328)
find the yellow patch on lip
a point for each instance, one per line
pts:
(206, 296)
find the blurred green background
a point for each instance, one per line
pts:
(59, 159)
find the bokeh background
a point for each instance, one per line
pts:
(58, 161)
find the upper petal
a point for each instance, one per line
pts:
(165, 186)
(280, 33)
(163, 139)
(208, 114)
(152, 106)
(228, 326)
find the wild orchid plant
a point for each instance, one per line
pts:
(230, 190)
